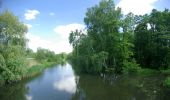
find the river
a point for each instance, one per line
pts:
(61, 83)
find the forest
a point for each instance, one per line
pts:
(119, 43)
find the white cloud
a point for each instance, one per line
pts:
(31, 14)
(64, 30)
(138, 7)
(28, 97)
(67, 81)
(51, 13)
(56, 46)
(67, 84)
(28, 25)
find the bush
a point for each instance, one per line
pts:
(130, 67)
(2, 63)
(2, 66)
(147, 71)
(13, 64)
(166, 83)
(167, 71)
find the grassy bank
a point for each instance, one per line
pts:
(166, 82)
(146, 72)
(36, 69)
(151, 72)
(30, 71)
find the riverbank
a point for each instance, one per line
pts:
(146, 72)
(31, 71)
(90, 86)
(36, 69)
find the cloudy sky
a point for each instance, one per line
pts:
(50, 21)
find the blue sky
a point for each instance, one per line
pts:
(50, 21)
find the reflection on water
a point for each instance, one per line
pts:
(55, 83)
(67, 81)
(61, 83)
(28, 97)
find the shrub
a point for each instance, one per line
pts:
(166, 83)
(130, 67)
(14, 63)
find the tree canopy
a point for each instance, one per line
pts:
(116, 41)
(12, 46)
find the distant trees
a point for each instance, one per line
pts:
(49, 56)
(118, 42)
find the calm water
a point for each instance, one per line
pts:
(61, 83)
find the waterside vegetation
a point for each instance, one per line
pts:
(15, 58)
(119, 43)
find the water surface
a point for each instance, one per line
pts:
(61, 83)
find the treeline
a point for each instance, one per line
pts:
(118, 42)
(14, 55)
(46, 55)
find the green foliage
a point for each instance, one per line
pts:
(44, 58)
(15, 63)
(50, 56)
(30, 53)
(12, 47)
(12, 30)
(147, 72)
(36, 69)
(122, 38)
(103, 47)
(2, 62)
(41, 54)
(2, 66)
(167, 82)
(99, 61)
(130, 67)
(166, 72)
(152, 44)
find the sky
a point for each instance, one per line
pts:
(50, 21)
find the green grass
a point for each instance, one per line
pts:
(147, 72)
(167, 71)
(36, 69)
(166, 83)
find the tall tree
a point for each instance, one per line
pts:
(12, 46)
(101, 47)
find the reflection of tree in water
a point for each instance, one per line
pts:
(13, 92)
(165, 94)
(79, 94)
(63, 63)
(91, 87)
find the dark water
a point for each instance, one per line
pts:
(61, 83)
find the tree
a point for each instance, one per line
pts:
(41, 54)
(101, 47)
(12, 43)
(116, 41)
(152, 40)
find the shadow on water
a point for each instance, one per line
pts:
(122, 88)
(16, 91)
(61, 83)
